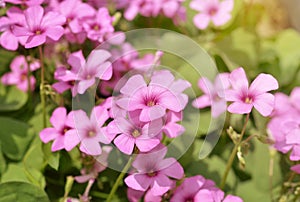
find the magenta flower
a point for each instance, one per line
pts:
(212, 10)
(39, 26)
(213, 94)
(171, 127)
(61, 123)
(88, 131)
(98, 26)
(296, 168)
(96, 67)
(133, 132)
(153, 172)
(100, 164)
(244, 98)
(162, 93)
(19, 74)
(7, 39)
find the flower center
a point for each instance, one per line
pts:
(151, 174)
(248, 100)
(23, 77)
(96, 27)
(88, 76)
(212, 11)
(91, 134)
(38, 32)
(136, 133)
(150, 103)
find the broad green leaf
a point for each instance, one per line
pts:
(2, 162)
(52, 158)
(15, 137)
(11, 98)
(5, 57)
(21, 192)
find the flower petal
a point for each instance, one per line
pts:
(264, 104)
(238, 79)
(240, 108)
(263, 83)
(125, 143)
(139, 182)
(48, 134)
(202, 102)
(90, 147)
(201, 20)
(58, 118)
(133, 84)
(71, 139)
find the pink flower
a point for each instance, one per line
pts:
(88, 131)
(19, 74)
(98, 26)
(61, 123)
(212, 10)
(39, 26)
(67, 76)
(171, 127)
(96, 67)
(244, 98)
(25, 2)
(133, 132)
(163, 93)
(296, 168)
(213, 94)
(100, 164)
(7, 39)
(2, 3)
(199, 189)
(153, 172)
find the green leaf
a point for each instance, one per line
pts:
(2, 162)
(21, 192)
(15, 137)
(52, 158)
(11, 98)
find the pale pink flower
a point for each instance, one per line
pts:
(163, 93)
(100, 164)
(96, 67)
(61, 123)
(88, 131)
(213, 94)
(99, 25)
(217, 11)
(7, 39)
(134, 132)
(153, 172)
(171, 126)
(19, 74)
(244, 98)
(40, 26)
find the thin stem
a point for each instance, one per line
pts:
(42, 86)
(233, 154)
(120, 178)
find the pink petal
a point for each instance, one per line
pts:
(296, 168)
(146, 145)
(180, 85)
(295, 155)
(264, 104)
(160, 185)
(202, 102)
(218, 107)
(206, 85)
(53, 19)
(139, 182)
(10, 78)
(230, 198)
(76, 60)
(84, 178)
(171, 168)
(99, 115)
(55, 32)
(133, 84)
(227, 5)
(48, 134)
(240, 108)
(171, 101)
(232, 95)
(34, 16)
(90, 147)
(58, 143)
(201, 20)
(35, 40)
(72, 139)
(124, 143)
(81, 121)
(295, 97)
(131, 12)
(152, 113)
(263, 83)
(204, 195)
(238, 79)
(61, 87)
(173, 130)
(293, 137)
(163, 78)
(83, 85)
(9, 41)
(104, 71)
(96, 58)
(21, 31)
(221, 18)
(197, 5)
(170, 8)
(58, 118)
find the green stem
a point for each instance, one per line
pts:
(233, 154)
(120, 178)
(42, 86)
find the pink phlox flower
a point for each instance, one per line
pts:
(89, 132)
(213, 94)
(153, 172)
(19, 74)
(96, 67)
(61, 122)
(171, 127)
(133, 132)
(99, 25)
(66, 77)
(25, 2)
(244, 98)
(40, 26)
(161, 94)
(219, 12)
(100, 164)
(7, 39)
